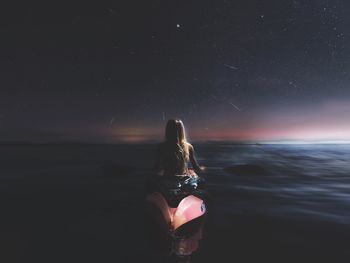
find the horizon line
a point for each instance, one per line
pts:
(152, 141)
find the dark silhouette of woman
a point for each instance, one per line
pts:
(175, 152)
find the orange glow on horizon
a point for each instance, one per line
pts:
(134, 135)
(269, 134)
(327, 121)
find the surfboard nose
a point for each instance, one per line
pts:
(189, 208)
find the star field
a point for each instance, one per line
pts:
(233, 70)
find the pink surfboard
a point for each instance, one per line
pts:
(191, 207)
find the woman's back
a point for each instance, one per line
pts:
(173, 158)
(175, 152)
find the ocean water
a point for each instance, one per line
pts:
(299, 180)
(85, 203)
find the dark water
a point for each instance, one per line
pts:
(85, 203)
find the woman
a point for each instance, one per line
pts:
(175, 152)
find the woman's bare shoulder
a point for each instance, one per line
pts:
(190, 146)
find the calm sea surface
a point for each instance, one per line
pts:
(84, 203)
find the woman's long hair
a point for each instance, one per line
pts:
(176, 149)
(182, 138)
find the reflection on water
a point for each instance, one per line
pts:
(183, 247)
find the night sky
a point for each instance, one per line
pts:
(231, 70)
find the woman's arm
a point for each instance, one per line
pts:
(193, 160)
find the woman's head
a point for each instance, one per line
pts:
(171, 132)
(181, 131)
(175, 131)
